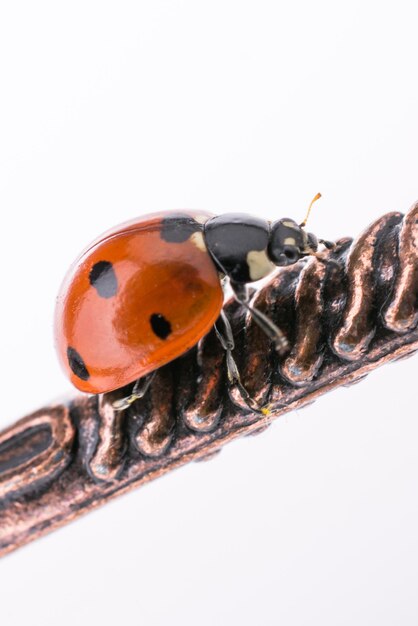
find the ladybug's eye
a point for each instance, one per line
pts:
(291, 254)
(287, 240)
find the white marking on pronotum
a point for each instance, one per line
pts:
(289, 224)
(259, 265)
(198, 241)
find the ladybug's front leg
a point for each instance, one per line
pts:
(267, 326)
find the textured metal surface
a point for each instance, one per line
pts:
(344, 316)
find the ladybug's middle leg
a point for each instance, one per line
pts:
(226, 339)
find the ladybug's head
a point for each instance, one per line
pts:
(289, 242)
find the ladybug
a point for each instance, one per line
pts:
(147, 291)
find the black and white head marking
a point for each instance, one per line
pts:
(289, 242)
(247, 248)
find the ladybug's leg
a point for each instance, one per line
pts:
(226, 339)
(329, 245)
(272, 331)
(139, 390)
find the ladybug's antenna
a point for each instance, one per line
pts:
(303, 224)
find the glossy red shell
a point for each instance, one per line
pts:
(113, 335)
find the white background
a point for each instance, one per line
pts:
(112, 109)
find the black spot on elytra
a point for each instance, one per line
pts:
(160, 325)
(103, 278)
(178, 228)
(77, 364)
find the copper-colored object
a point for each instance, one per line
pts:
(344, 316)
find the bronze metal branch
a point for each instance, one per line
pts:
(344, 316)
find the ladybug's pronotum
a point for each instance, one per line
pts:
(147, 291)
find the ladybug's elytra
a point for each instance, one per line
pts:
(147, 291)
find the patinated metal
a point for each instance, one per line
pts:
(344, 315)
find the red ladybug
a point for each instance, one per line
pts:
(147, 291)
